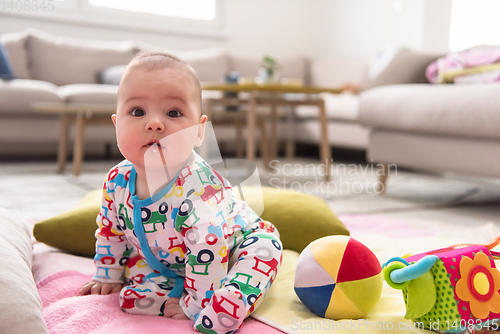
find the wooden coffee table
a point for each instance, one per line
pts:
(81, 115)
(274, 97)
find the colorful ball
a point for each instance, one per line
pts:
(338, 277)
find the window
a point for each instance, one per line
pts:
(198, 18)
(188, 9)
(474, 23)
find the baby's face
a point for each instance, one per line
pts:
(153, 105)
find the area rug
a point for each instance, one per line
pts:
(281, 310)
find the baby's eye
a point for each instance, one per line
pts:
(174, 113)
(138, 112)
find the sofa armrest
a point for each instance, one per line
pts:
(459, 110)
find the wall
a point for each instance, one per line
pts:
(277, 27)
(436, 34)
(290, 27)
(361, 27)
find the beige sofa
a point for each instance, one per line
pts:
(453, 127)
(50, 68)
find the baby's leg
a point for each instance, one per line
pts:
(254, 264)
(147, 291)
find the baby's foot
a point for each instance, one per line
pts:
(173, 310)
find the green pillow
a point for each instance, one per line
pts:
(299, 217)
(73, 231)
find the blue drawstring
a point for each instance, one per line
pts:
(152, 260)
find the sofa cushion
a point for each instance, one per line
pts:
(17, 95)
(111, 75)
(407, 67)
(337, 71)
(462, 110)
(244, 65)
(20, 305)
(64, 60)
(209, 65)
(343, 107)
(88, 93)
(15, 45)
(294, 68)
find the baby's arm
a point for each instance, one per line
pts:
(112, 250)
(99, 288)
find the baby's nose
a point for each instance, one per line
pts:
(155, 125)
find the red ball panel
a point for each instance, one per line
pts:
(358, 262)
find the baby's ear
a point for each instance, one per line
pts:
(201, 130)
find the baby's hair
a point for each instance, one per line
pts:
(158, 60)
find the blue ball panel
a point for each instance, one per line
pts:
(316, 298)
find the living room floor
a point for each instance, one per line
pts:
(36, 191)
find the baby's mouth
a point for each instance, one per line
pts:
(157, 148)
(153, 142)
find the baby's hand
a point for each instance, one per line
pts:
(173, 310)
(98, 288)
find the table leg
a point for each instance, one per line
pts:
(78, 146)
(264, 144)
(63, 142)
(239, 140)
(325, 146)
(251, 127)
(290, 142)
(382, 180)
(207, 110)
(273, 152)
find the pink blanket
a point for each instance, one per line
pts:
(460, 60)
(64, 312)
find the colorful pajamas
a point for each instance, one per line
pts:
(193, 240)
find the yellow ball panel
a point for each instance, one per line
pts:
(341, 307)
(364, 293)
(328, 252)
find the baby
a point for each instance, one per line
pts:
(172, 237)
